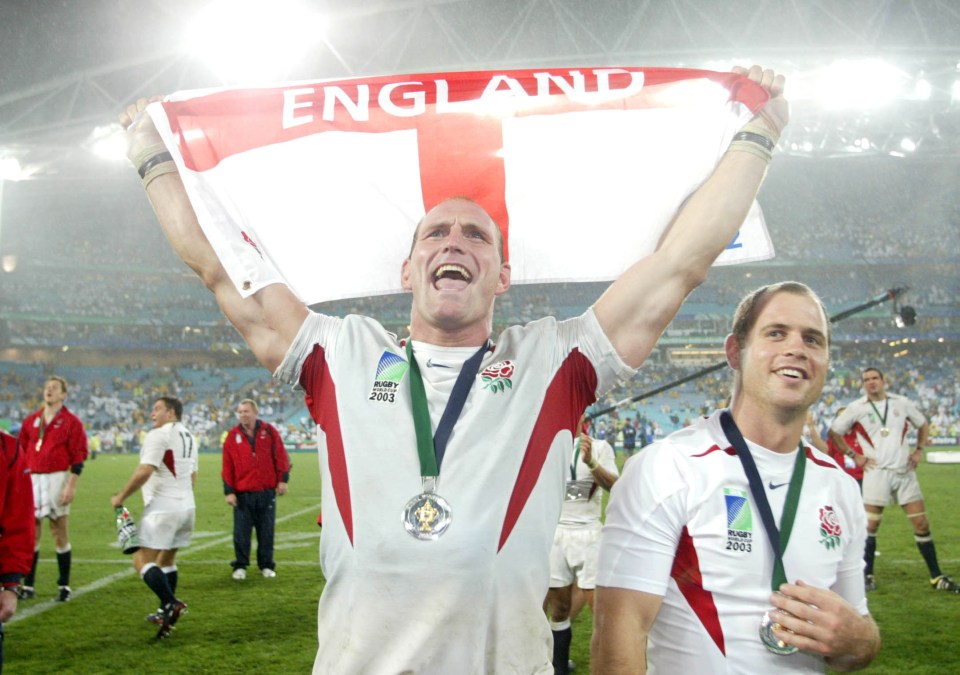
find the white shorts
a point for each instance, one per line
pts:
(880, 484)
(574, 556)
(47, 488)
(165, 530)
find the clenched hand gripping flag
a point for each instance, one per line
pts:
(319, 185)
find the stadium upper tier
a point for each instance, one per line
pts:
(90, 268)
(114, 402)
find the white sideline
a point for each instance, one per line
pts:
(41, 607)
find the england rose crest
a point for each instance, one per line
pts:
(829, 528)
(496, 377)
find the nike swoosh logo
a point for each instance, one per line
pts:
(774, 486)
(431, 364)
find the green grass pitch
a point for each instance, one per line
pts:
(269, 625)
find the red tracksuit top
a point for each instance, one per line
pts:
(16, 513)
(254, 468)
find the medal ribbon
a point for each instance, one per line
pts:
(431, 450)
(576, 458)
(886, 409)
(778, 539)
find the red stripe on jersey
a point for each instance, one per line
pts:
(686, 572)
(715, 448)
(906, 427)
(572, 389)
(316, 377)
(169, 462)
(818, 462)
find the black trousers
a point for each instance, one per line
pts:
(254, 510)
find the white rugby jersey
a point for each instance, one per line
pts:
(583, 501)
(890, 451)
(472, 601)
(174, 452)
(681, 523)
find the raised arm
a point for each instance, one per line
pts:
(270, 318)
(637, 307)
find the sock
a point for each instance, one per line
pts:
(31, 577)
(562, 636)
(869, 553)
(154, 577)
(172, 577)
(63, 563)
(929, 553)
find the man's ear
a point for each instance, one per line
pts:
(405, 275)
(731, 346)
(503, 283)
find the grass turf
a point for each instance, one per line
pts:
(269, 625)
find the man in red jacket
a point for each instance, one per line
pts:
(256, 469)
(17, 533)
(55, 446)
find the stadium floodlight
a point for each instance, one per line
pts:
(109, 142)
(922, 90)
(908, 145)
(247, 41)
(10, 168)
(861, 84)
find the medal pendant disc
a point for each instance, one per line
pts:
(770, 640)
(426, 516)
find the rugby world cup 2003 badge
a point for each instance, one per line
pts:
(739, 520)
(390, 372)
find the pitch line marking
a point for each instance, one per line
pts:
(47, 605)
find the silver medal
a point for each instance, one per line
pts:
(427, 515)
(770, 640)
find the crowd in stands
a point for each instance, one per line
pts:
(114, 403)
(850, 228)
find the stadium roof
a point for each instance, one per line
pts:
(68, 67)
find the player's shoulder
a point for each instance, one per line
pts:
(698, 440)
(821, 459)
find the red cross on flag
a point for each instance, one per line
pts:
(319, 185)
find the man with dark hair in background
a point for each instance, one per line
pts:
(576, 544)
(55, 445)
(885, 419)
(166, 475)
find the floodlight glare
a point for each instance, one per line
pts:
(955, 91)
(109, 142)
(9, 168)
(922, 90)
(867, 83)
(251, 41)
(908, 144)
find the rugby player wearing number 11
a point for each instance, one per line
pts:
(165, 476)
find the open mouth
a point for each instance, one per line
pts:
(451, 276)
(791, 373)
